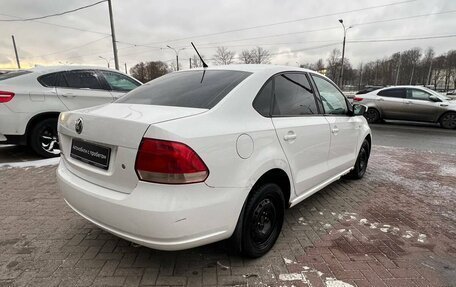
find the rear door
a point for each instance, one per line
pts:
(118, 83)
(344, 129)
(419, 107)
(302, 130)
(391, 103)
(81, 89)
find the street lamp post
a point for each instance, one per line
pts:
(341, 76)
(177, 54)
(107, 61)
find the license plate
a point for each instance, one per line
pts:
(90, 153)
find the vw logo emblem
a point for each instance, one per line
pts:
(78, 126)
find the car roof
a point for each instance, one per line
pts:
(254, 68)
(48, 69)
(404, 87)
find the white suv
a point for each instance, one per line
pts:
(31, 100)
(203, 155)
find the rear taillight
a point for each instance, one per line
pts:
(6, 96)
(169, 162)
(357, 99)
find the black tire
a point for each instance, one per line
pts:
(260, 222)
(372, 115)
(44, 139)
(360, 167)
(448, 120)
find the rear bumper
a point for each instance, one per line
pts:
(12, 126)
(165, 217)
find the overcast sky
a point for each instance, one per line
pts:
(156, 24)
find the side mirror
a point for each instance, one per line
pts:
(434, 98)
(359, 110)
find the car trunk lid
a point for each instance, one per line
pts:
(114, 131)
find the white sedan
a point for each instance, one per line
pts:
(204, 155)
(31, 100)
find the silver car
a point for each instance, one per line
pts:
(409, 103)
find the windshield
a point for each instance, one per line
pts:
(13, 74)
(191, 89)
(437, 94)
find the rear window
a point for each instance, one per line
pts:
(14, 74)
(191, 89)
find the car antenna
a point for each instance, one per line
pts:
(201, 58)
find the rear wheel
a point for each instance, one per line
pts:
(261, 221)
(360, 167)
(44, 139)
(448, 120)
(372, 115)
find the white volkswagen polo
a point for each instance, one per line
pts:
(203, 155)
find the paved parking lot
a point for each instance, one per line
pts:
(396, 227)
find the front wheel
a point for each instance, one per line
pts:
(44, 139)
(261, 221)
(360, 167)
(448, 121)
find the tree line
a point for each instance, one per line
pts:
(409, 67)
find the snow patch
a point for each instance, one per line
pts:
(333, 282)
(32, 163)
(288, 261)
(422, 238)
(291, 277)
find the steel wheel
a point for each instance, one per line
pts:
(264, 222)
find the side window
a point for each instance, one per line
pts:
(53, 80)
(415, 94)
(119, 82)
(392, 93)
(48, 80)
(293, 96)
(262, 102)
(333, 100)
(82, 80)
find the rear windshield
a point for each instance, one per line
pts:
(13, 74)
(191, 89)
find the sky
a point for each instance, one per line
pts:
(144, 29)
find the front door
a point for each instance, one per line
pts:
(419, 106)
(81, 89)
(344, 129)
(302, 130)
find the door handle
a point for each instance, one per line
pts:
(68, 95)
(408, 102)
(335, 130)
(380, 99)
(444, 105)
(289, 137)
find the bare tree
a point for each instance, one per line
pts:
(245, 57)
(334, 62)
(223, 56)
(196, 61)
(147, 71)
(260, 56)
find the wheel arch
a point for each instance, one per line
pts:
(279, 177)
(36, 119)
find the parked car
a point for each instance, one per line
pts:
(31, 100)
(410, 103)
(203, 155)
(368, 89)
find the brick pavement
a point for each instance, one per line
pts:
(396, 227)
